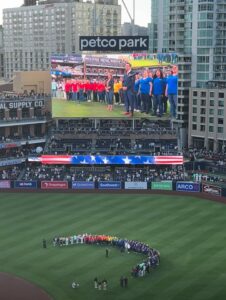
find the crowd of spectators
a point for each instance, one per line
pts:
(10, 173)
(96, 174)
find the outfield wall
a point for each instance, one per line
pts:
(189, 187)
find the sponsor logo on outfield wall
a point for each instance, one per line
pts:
(48, 185)
(25, 184)
(109, 185)
(182, 186)
(83, 185)
(211, 189)
(162, 185)
(5, 184)
(136, 185)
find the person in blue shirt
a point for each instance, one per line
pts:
(144, 84)
(171, 91)
(157, 92)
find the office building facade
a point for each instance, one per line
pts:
(197, 31)
(32, 33)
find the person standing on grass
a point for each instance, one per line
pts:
(172, 90)
(95, 283)
(106, 252)
(109, 88)
(122, 281)
(125, 281)
(44, 244)
(128, 90)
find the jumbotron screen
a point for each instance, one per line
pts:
(137, 85)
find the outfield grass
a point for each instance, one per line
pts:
(189, 233)
(62, 108)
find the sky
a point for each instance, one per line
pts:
(142, 10)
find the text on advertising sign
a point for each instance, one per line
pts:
(109, 185)
(25, 184)
(83, 185)
(211, 189)
(162, 185)
(21, 104)
(48, 185)
(113, 43)
(5, 184)
(187, 186)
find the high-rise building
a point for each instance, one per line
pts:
(33, 33)
(132, 29)
(195, 29)
(1, 53)
(29, 2)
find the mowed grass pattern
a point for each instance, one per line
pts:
(189, 233)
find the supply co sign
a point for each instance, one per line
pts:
(113, 43)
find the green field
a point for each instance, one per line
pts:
(62, 108)
(189, 233)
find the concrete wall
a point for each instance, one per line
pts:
(39, 81)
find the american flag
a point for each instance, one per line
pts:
(110, 160)
(169, 160)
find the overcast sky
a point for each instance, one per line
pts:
(142, 15)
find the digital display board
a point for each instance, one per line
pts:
(140, 85)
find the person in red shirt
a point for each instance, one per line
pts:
(75, 90)
(67, 88)
(101, 91)
(81, 90)
(94, 88)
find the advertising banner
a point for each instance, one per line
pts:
(21, 104)
(12, 162)
(136, 185)
(80, 185)
(182, 186)
(113, 43)
(162, 185)
(211, 189)
(25, 184)
(5, 184)
(48, 185)
(109, 185)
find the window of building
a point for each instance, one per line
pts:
(212, 94)
(220, 112)
(194, 101)
(211, 102)
(220, 129)
(202, 127)
(211, 111)
(221, 103)
(202, 120)
(195, 93)
(220, 121)
(203, 111)
(210, 128)
(211, 120)
(194, 126)
(194, 110)
(221, 95)
(194, 118)
(203, 102)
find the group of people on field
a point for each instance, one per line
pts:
(152, 255)
(138, 91)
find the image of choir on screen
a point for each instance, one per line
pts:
(155, 89)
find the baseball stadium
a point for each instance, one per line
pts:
(98, 201)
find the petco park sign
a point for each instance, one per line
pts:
(113, 43)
